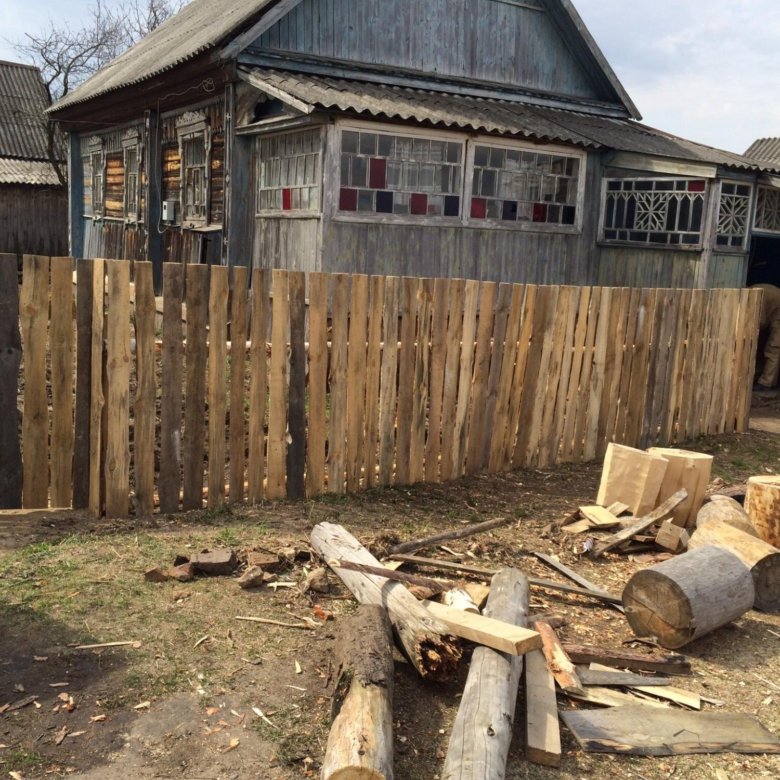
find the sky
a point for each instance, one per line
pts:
(708, 70)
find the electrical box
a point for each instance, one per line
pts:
(168, 210)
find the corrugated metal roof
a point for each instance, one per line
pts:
(308, 92)
(23, 100)
(765, 149)
(35, 172)
(198, 27)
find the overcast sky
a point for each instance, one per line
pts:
(708, 70)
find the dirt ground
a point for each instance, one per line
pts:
(202, 695)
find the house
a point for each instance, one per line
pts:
(33, 201)
(764, 260)
(486, 139)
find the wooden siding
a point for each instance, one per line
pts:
(292, 244)
(728, 270)
(478, 39)
(114, 238)
(624, 266)
(33, 220)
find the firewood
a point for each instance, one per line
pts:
(689, 470)
(558, 662)
(725, 510)
(672, 537)
(459, 533)
(762, 503)
(626, 659)
(631, 476)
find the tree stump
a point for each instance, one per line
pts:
(360, 743)
(689, 470)
(761, 558)
(686, 597)
(762, 503)
(723, 509)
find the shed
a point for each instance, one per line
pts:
(486, 139)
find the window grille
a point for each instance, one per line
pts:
(288, 172)
(131, 146)
(733, 212)
(768, 210)
(194, 153)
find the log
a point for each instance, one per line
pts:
(686, 597)
(761, 558)
(632, 477)
(726, 510)
(460, 533)
(558, 662)
(360, 742)
(397, 576)
(479, 742)
(689, 470)
(425, 640)
(762, 503)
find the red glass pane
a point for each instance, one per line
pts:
(286, 197)
(696, 186)
(540, 212)
(478, 208)
(377, 173)
(418, 203)
(347, 199)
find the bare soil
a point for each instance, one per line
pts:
(185, 701)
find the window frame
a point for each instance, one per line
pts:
(191, 127)
(131, 142)
(721, 248)
(754, 222)
(96, 149)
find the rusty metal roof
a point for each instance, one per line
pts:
(198, 27)
(767, 149)
(36, 172)
(23, 100)
(308, 93)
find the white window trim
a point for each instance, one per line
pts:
(190, 126)
(754, 227)
(95, 146)
(720, 249)
(131, 140)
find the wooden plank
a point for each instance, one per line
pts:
(338, 384)
(117, 473)
(196, 359)
(585, 429)
(373, 374)
(697, 325)
(258, 383)
(409, 303)
(296, 414)
(420, 382)
(81, 470)
(543, 735)
(558, 662)
(437, 363)
(627, 659)
(218, 299)
(624, 345)
(277, 408)
(659, 390)
(640, 366)
(486, 631)
(356, 381)
(61, 351)
(676, 362)
(34, 316)
(144, 406)
(318, 381)
(11, 473)
(610, 339)
(719, 409)
(388, 381)
(171, 389)
(644, 732)
(96, 397)
(608, 697)
(739, 363)
(750, 344)
(599, 516)
(476, 423)
(614, 677)
(457, 291)
(238, 337)
(576, 577)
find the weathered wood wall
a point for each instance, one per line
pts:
(33, 220)
(289, 243)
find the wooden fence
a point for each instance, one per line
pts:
(340, 383)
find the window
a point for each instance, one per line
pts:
(383, 173)
(654, 211)
(516, 185)
(194, 150)
(768, 210)
(131, 146)
(733, 214)
(97, 163)
(288, 172)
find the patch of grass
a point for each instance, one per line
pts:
(286, 732)
(20, 759)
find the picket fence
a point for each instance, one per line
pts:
(331, 383)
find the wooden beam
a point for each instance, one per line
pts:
(558, 662)
(579, 579)
(543, 734)
(626, 659)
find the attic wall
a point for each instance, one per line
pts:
(487, 40)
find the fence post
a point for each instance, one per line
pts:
(10, 360)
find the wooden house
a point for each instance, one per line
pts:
(33, 201)
(474, 138)
(764, 259)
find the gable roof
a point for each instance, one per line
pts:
(765, 149)
(23, 100)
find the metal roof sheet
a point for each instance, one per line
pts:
(37, 172)
(765, 149)
(308, 92)
(23, 100)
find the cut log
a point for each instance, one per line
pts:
(360, 743)
(761, 558)
(689, 470)
(632, 477)
(426, 642)
(686, 597)
(626, 659)
(725, 510)
(482, 731)
(558, 662)
(459, 533)
(762, 503)
(542, 732)
(642, 524)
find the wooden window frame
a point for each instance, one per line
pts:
(96, 151)
(775, 193)
(192, 127)
(131, 142)
(749, 198)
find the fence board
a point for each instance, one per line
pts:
(196, 358)
(388, 381)
(97, 399)
(218, 298)
(338, 384)
(373, 374)
(752, 321)
(421, 388)
(171, 399)
(11, 473)
(626, 339)
(437, 361)
(603, 302)
(677, 362)
(258, 383)
(84, 306)
(356, 381)
(465, 376)
(296, 414)
(574, 390)
(451, 372)
(238, 334)
(144, 444)
(409, 301)
(318, 383)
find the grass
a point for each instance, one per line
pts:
(18, 760)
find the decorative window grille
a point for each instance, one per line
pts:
(289, 172)
(97, 164)
(768, 210)
(654, 211)
(516, 185)
(383, 173)
(131, 146)
(733, 212)
(194, 152)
